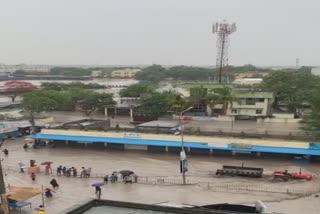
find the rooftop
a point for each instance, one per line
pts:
(160, 124)
(253, 94)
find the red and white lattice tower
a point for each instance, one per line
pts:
(223, 30)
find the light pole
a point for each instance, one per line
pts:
(183, 156)
(4, 202)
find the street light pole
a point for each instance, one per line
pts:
(183, 156)
(4, 202)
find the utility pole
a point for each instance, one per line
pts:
(3, 198)
(183, 156)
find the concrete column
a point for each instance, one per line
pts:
(106, 112)
(131, 115)
(258, 154)
(211, 152)
(67, 142)
(105, 144)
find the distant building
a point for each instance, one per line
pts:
(124, 73)
(250, 74)
(248, 81)
(315, 71)
(247, 104)
(96, 73)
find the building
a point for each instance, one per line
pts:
(251, 104)
(315, 71)
(96, 73)
(124, 73)
(248, 81)
(247, 105)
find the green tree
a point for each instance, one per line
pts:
(36, 102)
(292, 89)
(173, 100)
(136, 90)
(198, 96)
(93, 101)
(311, 122)
(153, 74)
(224, 96)
(153, 105)
(212, 100)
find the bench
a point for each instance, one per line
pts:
(19, 204)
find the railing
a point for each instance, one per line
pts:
(257, 188)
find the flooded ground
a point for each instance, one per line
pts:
(204, 187)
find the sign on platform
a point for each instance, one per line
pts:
(131, 135)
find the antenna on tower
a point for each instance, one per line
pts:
(297, 63)
(223, 30)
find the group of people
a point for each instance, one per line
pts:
(132, 178)
(72, 171)
(38, 144)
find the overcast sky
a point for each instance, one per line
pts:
(109, 32)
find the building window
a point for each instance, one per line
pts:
(250, 101)
(259, 111)
(234, 111)
(261, 100)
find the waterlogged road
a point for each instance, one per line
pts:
(75, 190)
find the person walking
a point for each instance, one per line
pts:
(74, 172)
(22, 167)
(48, 192)
(48, 169)
(98, 192)
(6, 152)
(83, 172)
(106, 179)
(59, 170)
(33, 176)
(88, 172)
(54, 183)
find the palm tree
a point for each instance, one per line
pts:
(212, 99)
(224, 96)
(174, 100)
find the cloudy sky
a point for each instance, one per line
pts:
(122, 32)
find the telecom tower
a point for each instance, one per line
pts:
(223, 30)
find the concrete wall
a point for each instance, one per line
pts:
(115, 146)
(199, 151)
(278, 120)
(135, 147)
(157, 148)
(283, 115)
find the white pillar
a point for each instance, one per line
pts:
(131, 115)
(106, 112)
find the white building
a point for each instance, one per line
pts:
(315, 71)
(124, 73)
(248, 81)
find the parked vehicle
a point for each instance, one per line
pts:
(285, 176)
(240, 171)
